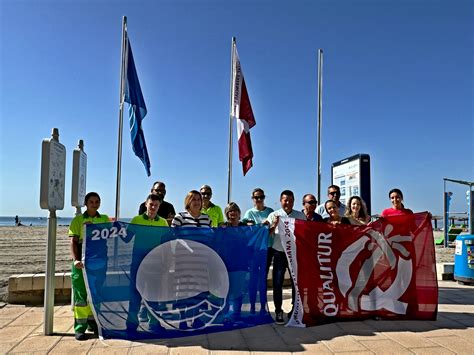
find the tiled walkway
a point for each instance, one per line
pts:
(21, 331)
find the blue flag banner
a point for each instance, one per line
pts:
(137, 109)
(156, 282)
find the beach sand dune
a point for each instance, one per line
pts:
(23, 251)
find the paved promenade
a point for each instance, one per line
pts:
(21, 331)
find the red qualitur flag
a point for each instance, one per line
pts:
(242, 111)
(385, 269)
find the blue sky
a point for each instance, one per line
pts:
(398, 85)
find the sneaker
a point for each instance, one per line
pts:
(279, 318)
(80, 336)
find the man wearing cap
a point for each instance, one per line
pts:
(334, 193)
(213, 211)
(166, 209)
(309, 207)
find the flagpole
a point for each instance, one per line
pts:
(229, 177)
(120, 129)
(320, 117)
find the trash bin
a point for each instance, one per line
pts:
(464, 259)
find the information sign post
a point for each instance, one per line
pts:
(53, 168)
(79, 177)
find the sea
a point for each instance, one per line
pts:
(6, 221)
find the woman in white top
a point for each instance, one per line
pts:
(192, 217)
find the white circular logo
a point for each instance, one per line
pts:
(184, 284)
(379, 246)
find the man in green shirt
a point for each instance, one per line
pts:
(213, 211)
(149, 218)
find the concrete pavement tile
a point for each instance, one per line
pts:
(30, 317)
(62, 324)
(326, 331)
(197, 340)
(273, 353)
(259, 331)
(429, 351)
(410, 340)
(5, 321)
(360, 331)
(468, 322)
(319, 348)
(296, 335)
(72, 346)
(416, 326)
(113, 346)
(6, 347)
(225, 352)
(385, 347)
(344, 343)
(274, 344)
(232, 340)
(63, 311)
(456, 344)
(147, 348)
(12, 311)
(465, 333)
(384, 325)
(36, 342)
(367, 352)
(439, 332)
(10, 333)
(189, 350)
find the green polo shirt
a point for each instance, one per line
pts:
(215, 214)
(144, 220)
(76, 227)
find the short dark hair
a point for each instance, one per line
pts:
(287, 193)
(334, 187)
(309, 195)
(153, 197)
(89, 195)
(257, 189)
(159, 183)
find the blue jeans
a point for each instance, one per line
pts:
(280, 264)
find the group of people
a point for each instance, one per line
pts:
(200, 212)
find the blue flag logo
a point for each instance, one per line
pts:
(137, 109)
(157, 282)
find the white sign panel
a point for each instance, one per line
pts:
(347, 177)
(79, 175)
(53, 169)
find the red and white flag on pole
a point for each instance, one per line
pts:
(242, 112)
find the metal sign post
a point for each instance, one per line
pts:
(53, 168)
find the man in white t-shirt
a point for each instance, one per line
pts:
(277, 253)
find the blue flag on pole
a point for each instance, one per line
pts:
(137, 109)
(165, 282)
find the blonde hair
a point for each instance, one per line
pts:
(189, 197)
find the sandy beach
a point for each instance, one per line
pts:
(23, 251)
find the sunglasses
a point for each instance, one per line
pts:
(334, 193)
(259, 197)
(312, 202)
(206, 193)
(159, 190)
